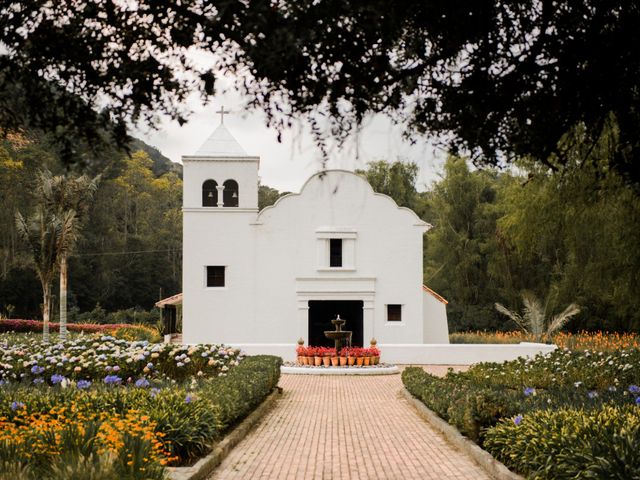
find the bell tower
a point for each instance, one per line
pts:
(220, 175)
(220, 203)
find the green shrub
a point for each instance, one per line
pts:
(570, 443)
(190, 421)
(137, 333)
(469, 407)
(243, 388)
(473, 401)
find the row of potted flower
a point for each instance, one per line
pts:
(348, 356)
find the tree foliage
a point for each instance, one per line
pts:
(398, 180)
(130, 252)
(569, 238)
(492, 78)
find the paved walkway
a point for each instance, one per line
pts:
(335, 428)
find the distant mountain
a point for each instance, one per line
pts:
(161, 164)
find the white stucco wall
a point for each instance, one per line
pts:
(436, 328)
(277, 260)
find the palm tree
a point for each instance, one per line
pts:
(52, 232)
(534, 321)
(69, 199)
(41, 231)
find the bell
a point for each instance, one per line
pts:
(235, 195)
(210, 195)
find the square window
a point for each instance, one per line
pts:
(394, 313)
(215, 276)
(335, 252)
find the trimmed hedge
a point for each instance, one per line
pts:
(244, 388)
(470, 408)
(473, 406)
(219, 404)
(561, 416)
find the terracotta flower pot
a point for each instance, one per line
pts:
(376, 360)
(351, 361)
(343, 361)
(367, 361)
(359, 361)
(334, 361)
(326, 361)
(300, 360)
(318, 361)
(308, 360)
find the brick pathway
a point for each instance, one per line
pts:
(335, 428)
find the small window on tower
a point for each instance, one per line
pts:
(215, 276)
(335, 252)
(394, 313)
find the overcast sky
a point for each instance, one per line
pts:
(287, 165)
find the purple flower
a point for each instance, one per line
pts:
(149, 365)
(188, 399)
(634, 389)
(154, 392)
(112, 380)
(142, 383)
(116, 368)
(16, 405)
(56, 378)
(593, 394)
(637, 400)
(38, 381)
(37, 370)
(83, 384)
(518, 420)
(529, 391)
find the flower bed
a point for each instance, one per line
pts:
(107, 359)
(598, 341)
(35, 326)
(328, 357)
(490, 402)
(128, 422)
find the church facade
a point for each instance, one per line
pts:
(261, 280)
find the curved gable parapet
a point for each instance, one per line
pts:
(317, 177)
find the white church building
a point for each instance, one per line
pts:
(261, 280)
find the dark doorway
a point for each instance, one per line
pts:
(170, 320)
(321, 312)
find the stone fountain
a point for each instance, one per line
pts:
(338, 335)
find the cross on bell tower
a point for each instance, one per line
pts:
(222, 113)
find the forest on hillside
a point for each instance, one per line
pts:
(570, 237)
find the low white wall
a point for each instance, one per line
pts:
(460, 354)
(423, 354)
